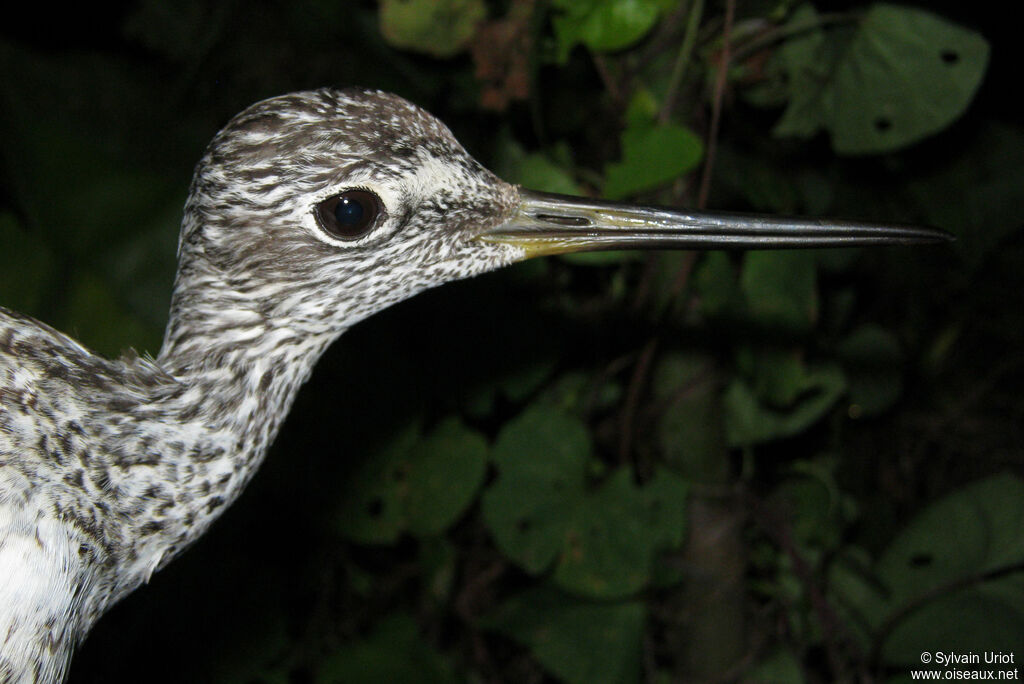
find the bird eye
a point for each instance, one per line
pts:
(350, 215)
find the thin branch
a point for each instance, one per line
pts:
(682, 58)
(781, 33)
(935, 592)
(636, 384)
(716, 105)
(834, 632)
(611, 84)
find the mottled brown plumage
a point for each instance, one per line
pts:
(307, 213)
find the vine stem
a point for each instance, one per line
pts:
(937, 591)
(834, 631)
(636, 383)
(780, 33)
(682, 58)
(716, 105)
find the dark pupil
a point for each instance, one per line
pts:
(349, 212)
(350, 215)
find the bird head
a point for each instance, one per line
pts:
(320, 208)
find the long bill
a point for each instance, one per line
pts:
(546, 224)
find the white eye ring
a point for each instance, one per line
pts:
(349, 229)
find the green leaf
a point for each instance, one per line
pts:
(538, 172)
(610, 543)
(975, 530)
(602, 25)
(986, 211)
(813, 502)
(780, 667)
(600, 539)
(778, 376)
(602, 258)
(577, 641)
(546, 453)
(750, 421)
(440, 28)
(780, 289)
(652, 155)
(951, 580)
(900, 75)
(856, 593)
(446, 470)
(872, 359)
(575, 392)
(514, 384)
(439, 561)
(421, 484)
(808, 59)
(716, 283)
(989, 617)
(372, 510)
(642, 109)
(393, 652)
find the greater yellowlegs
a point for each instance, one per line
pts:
(307, 213)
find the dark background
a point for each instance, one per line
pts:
(105, 111)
